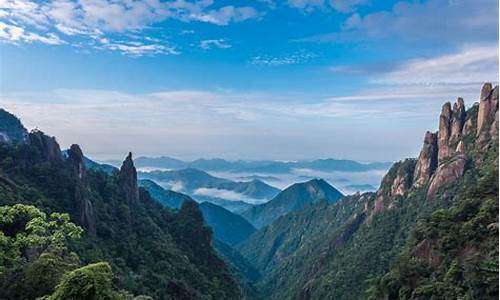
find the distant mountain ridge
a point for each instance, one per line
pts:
(258, 166)
(204, 187)
(293, 198)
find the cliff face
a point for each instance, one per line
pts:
(83, 204)
(47, 146)
(127, 178)
(447, 153)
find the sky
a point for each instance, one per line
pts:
(262, 79)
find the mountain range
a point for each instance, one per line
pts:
(256, 166)
(233, 195)
(295, 197)
(430, 231)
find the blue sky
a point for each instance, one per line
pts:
(293, 79)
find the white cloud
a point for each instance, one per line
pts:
(291, 59)
(190, 123)
(218, 43)
(227, 195)
(15, 34)
(470, 65)
(338, 5)
(421, 23)
(97, 20)
(137, 49)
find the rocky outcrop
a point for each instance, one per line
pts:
(445, 154)
(48, 147)
(427, 160)
(127, 178)
(76, 159)
(446, 173)
(457, 119)
(488, 106)
(84, 206)
(425, 252)
(444, 131)
(397, 182)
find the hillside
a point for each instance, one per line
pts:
(227, 226)
(152, 250)
(431, 228)
(204, 187)
(167, 198)
(291, 199)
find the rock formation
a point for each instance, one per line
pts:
(397, 182)
(83, 204)
(444, 131)
(447, 173)
(457, 119)
(76, 159)
(127, 178)
(427, 160)
(445, 154)
(47, 146)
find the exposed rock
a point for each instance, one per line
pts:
(460, 147)
(427, 160)
(468, 127)
(457, 119)
(396, 182)
(446, 173)
(47, 146)
(494, 126)
(127, 178)
(425, 252)
(488, 106)
(76, 159)
(83, 203)
(85, 209)
(444, 131)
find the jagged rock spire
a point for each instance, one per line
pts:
(427, 160)
(127, 178)
(444, 131)
(75, 157)
(86, 216)
(457, 119)
(488, 109)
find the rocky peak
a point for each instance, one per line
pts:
(127, 178)
(457, 119)
(444, 131)
(488, 108)
(47, 146)
(11, 128)
(427, 160)
(76, 159)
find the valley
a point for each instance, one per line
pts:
(191, 234)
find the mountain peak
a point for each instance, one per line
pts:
(293, 198)
(127, 177)
(11, 128)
